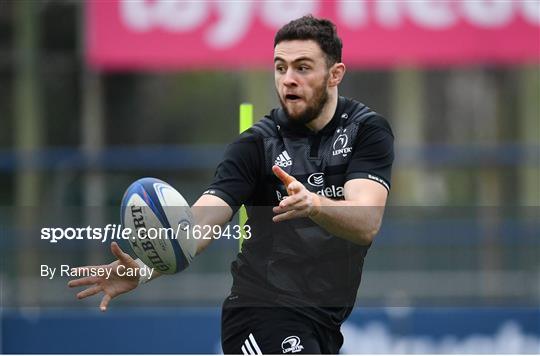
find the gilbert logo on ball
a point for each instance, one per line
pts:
(159, 218)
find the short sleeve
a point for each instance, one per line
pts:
(373, 153)
(237, 175)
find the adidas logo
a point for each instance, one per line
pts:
(283, 160)
(250, 346)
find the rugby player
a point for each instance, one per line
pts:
(314, 175)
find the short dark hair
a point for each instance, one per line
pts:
(321, 31)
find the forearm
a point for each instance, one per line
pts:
(349, 220)
(210, 211)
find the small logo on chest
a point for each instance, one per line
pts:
(283, 160)
(340, 145)
(316, 179)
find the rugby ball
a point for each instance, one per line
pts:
(158, 218)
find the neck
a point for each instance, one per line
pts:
(326, 114)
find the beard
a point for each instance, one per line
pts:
(313, 108)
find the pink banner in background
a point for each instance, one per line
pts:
(169, 35)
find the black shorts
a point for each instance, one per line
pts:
(252, 329)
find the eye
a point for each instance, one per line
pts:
(303, 68)
(280, 69)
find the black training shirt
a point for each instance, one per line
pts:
(296, 262)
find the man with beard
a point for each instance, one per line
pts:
(314, 176)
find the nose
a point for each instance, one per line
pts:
(289, 78)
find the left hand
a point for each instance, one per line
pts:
(112, 287)
(300, 203)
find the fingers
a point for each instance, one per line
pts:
(105, 302)
(298, 203)
(294, 202)
(295, 187)
(293, 198)
(289, 212)
(121, 255)
(89, 292)
(85, 281)
(285, 178)
(297, 199)
(293, 214)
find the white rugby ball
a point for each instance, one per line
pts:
(158, 217)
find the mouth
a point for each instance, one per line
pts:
(292, 97)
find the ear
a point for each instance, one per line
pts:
(337, 71)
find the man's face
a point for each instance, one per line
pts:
(301, 75)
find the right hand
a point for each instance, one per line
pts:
(111, 287)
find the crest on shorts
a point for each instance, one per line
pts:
(291, 344)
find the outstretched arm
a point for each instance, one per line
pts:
(208, 210)
(357, 218)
